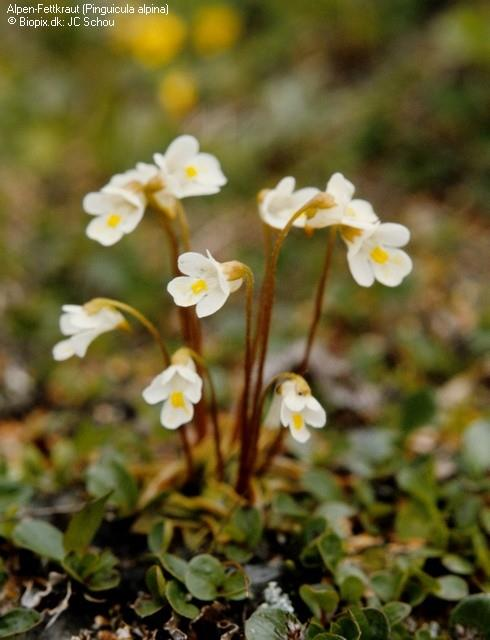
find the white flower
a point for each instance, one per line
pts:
(378, 256)
(136, 178)
(293, 406)
(83, 327)
(117, 212)
(186, 172)
(204, 284)
(179, 387)
(357, 214)
(279, 204)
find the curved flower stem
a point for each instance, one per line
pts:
(149, 326)
(244, 400)
(186, 447)
(319, 297)
(220, 468)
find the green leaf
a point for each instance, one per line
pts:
(13, 494)
(329, 636)
(347, 628)
(337, 515)
(418, 409)
(481, 550)
(473, 614)
(146, 606)
(387, 584)
(352, 588)
(160, 537)
(457, 564)
(396, 612)
(476, 447)
(109, 475)
(40, 537)
(245, 527)
(84, 525)
(451, 588)
(177, 599)
(418, 480)
(372, 623)
(174, 565)
(330, 548)
(285, 505)
(204, 577)
(96, 571)
(18, 621)
(321, 484)
(320, 598)
(313, 630)
(270, 624)
(235, 585)
(155, 582)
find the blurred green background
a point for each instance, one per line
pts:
(393, 93)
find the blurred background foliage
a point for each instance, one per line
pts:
(393, 93)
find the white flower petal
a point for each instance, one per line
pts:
(361, 268)
(392, 272)
(63, 350)
(173, 417)
(82, 341)
(180, 288)
(315, 415)
(193, 391)
(294, 401)
(341, 189)
(99, 230)
(95, 203)
(273, 417)
(300, 435)
(209, 170)
(156, 391)
(360, 214)
(180, 150)
(196, 265)
(392, 234)
(210, 303)
(285, 186)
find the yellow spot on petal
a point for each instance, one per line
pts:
(113, 220)
(191, 171)
(199, 286)
(349, 234)
(177, 400)
(379, 255)
(297, 421)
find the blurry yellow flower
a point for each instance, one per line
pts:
(153, 40)
(177, 93)
(216, 28)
